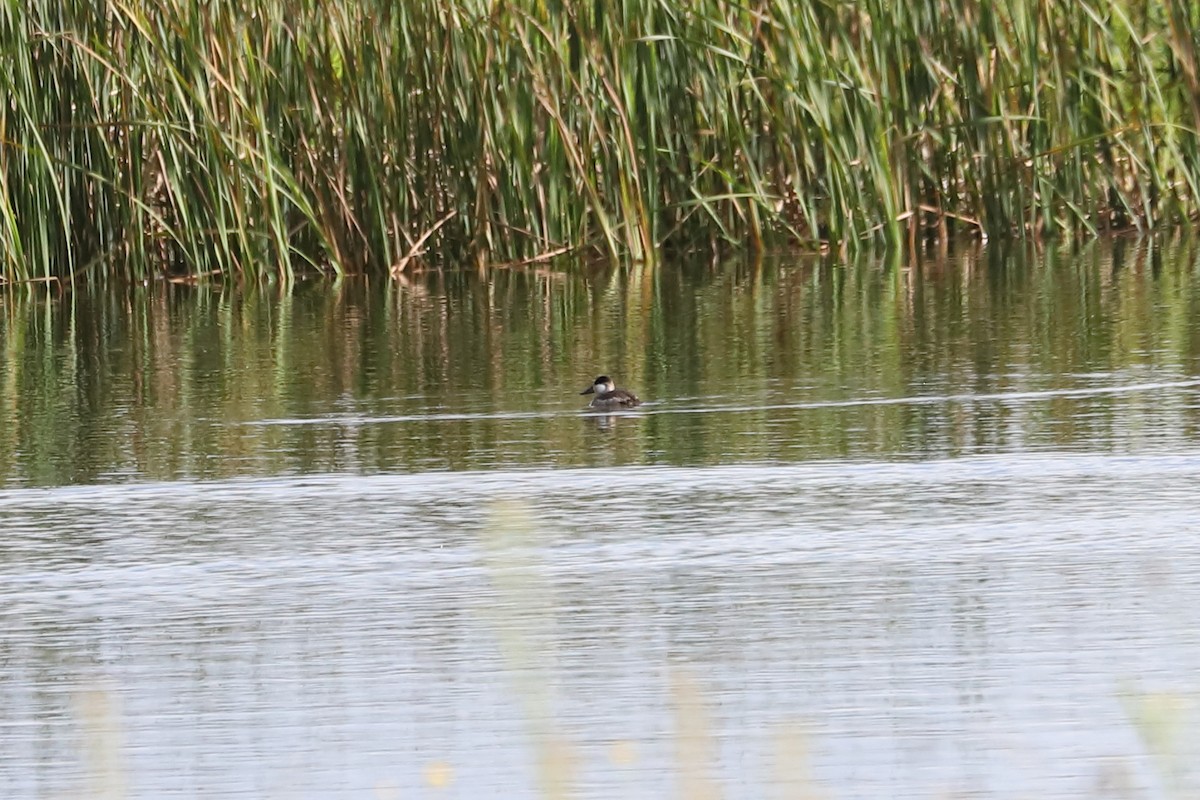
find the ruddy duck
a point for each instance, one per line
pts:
(609, 396)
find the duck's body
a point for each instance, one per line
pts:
(608, 396)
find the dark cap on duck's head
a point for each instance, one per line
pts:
(601, 381)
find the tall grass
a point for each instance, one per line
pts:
(262, 136)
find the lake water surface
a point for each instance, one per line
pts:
(878, 531)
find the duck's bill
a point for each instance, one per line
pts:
(589, 390)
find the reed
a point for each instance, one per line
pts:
(262, 137)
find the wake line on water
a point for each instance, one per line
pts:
(654, 408)
(954, 398)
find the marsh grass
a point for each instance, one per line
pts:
(260, 137)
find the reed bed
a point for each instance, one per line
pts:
(261, 137)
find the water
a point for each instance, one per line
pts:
(876, 533)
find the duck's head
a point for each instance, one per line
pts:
(601, 385)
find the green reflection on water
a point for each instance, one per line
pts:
(739, 362)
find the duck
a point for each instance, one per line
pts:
(609, 396)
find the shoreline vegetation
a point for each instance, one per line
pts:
(260, 138)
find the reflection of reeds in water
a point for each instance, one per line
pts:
(143, 368)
